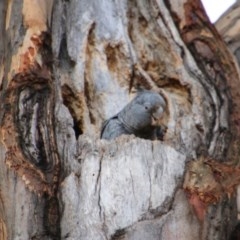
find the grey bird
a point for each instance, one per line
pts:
(139, 117)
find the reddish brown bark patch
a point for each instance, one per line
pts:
(207, 182)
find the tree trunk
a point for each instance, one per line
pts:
(66, 66)
(227, 25)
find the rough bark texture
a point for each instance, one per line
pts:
(228, 27)
(66, 66)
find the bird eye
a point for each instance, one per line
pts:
(146, 107)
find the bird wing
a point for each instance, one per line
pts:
(106, 122)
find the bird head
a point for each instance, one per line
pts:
(143, 111)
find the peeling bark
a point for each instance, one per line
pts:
(227, 26)
(66, 66)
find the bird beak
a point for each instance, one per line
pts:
(157, 115)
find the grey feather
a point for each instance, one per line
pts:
(138, 117)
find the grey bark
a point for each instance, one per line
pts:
(227, 25)
(73, 65)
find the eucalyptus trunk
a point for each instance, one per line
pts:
(65, 67)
